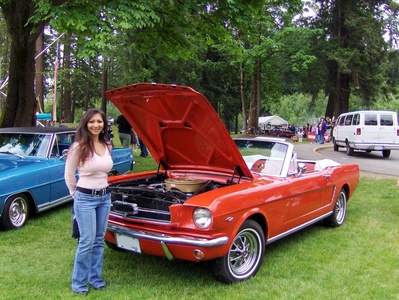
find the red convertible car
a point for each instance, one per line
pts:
(213, 198)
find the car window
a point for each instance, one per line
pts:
(341, 120)
(370, 119)
(42, 147)
(356, 119)
(62, 142)
(24, 144)
(348, 120)
(386, 120)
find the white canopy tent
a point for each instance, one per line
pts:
(272, 120)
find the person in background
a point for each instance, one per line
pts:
(332, 127)
(143, 149)
(124, 131)
(90, 154)
(110, 134)
(134, 140)
(313, 130)
(322, 130)
(62, 123)
(300, 134)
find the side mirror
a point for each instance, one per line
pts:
(64, 153)
(301, 168)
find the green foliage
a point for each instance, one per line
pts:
(352, 48)
(202, 44)
(299, 109)
(95, 23)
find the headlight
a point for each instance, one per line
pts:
(202, 217)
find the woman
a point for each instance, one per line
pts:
(91, 155)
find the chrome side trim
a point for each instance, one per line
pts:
(286, 233)
(183, 240)
(52, 204)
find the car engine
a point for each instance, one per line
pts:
(149, 198)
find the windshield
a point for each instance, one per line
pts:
(266, 157)
(24, 144)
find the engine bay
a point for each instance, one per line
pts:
(149, 198)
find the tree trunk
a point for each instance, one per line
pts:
(243, 99)
(342, 103)
(342, 81)
(20, 105)
(330, 106)
(242, 90)
(258, 90)
(87, 95)
(104, 87)
(253, 120)
(67, 86)
(39, 73)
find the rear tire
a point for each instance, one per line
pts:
(15, 212)
(349, 149)
(386, 153)
(245, 255)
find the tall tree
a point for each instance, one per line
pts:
(353, 49)
(20, 104)
(95, 23)
(274, 35)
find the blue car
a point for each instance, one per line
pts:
(32, 163)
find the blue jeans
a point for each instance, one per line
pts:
(92, 216)
(321, 138)
(143, 149)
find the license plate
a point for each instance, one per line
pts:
(128, 243)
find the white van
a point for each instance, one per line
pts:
(368, 130)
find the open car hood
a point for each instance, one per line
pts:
(179, 127)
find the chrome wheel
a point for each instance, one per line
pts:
(15, 212)
(245, 254)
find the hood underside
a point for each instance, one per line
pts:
(179, 127)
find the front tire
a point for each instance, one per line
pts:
(336, 147)
(339, 212)
(15, 212)
(245, 255)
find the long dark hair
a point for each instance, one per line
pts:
(83, 136)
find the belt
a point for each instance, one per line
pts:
(94, 192)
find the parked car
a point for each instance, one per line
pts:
(277, 131)
(213, 198)
(367, 130)
(32, 163)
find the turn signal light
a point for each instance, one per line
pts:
(198, 254)
(358, 131)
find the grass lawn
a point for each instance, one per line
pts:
(359, 260)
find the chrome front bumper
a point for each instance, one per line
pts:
(162, 238)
